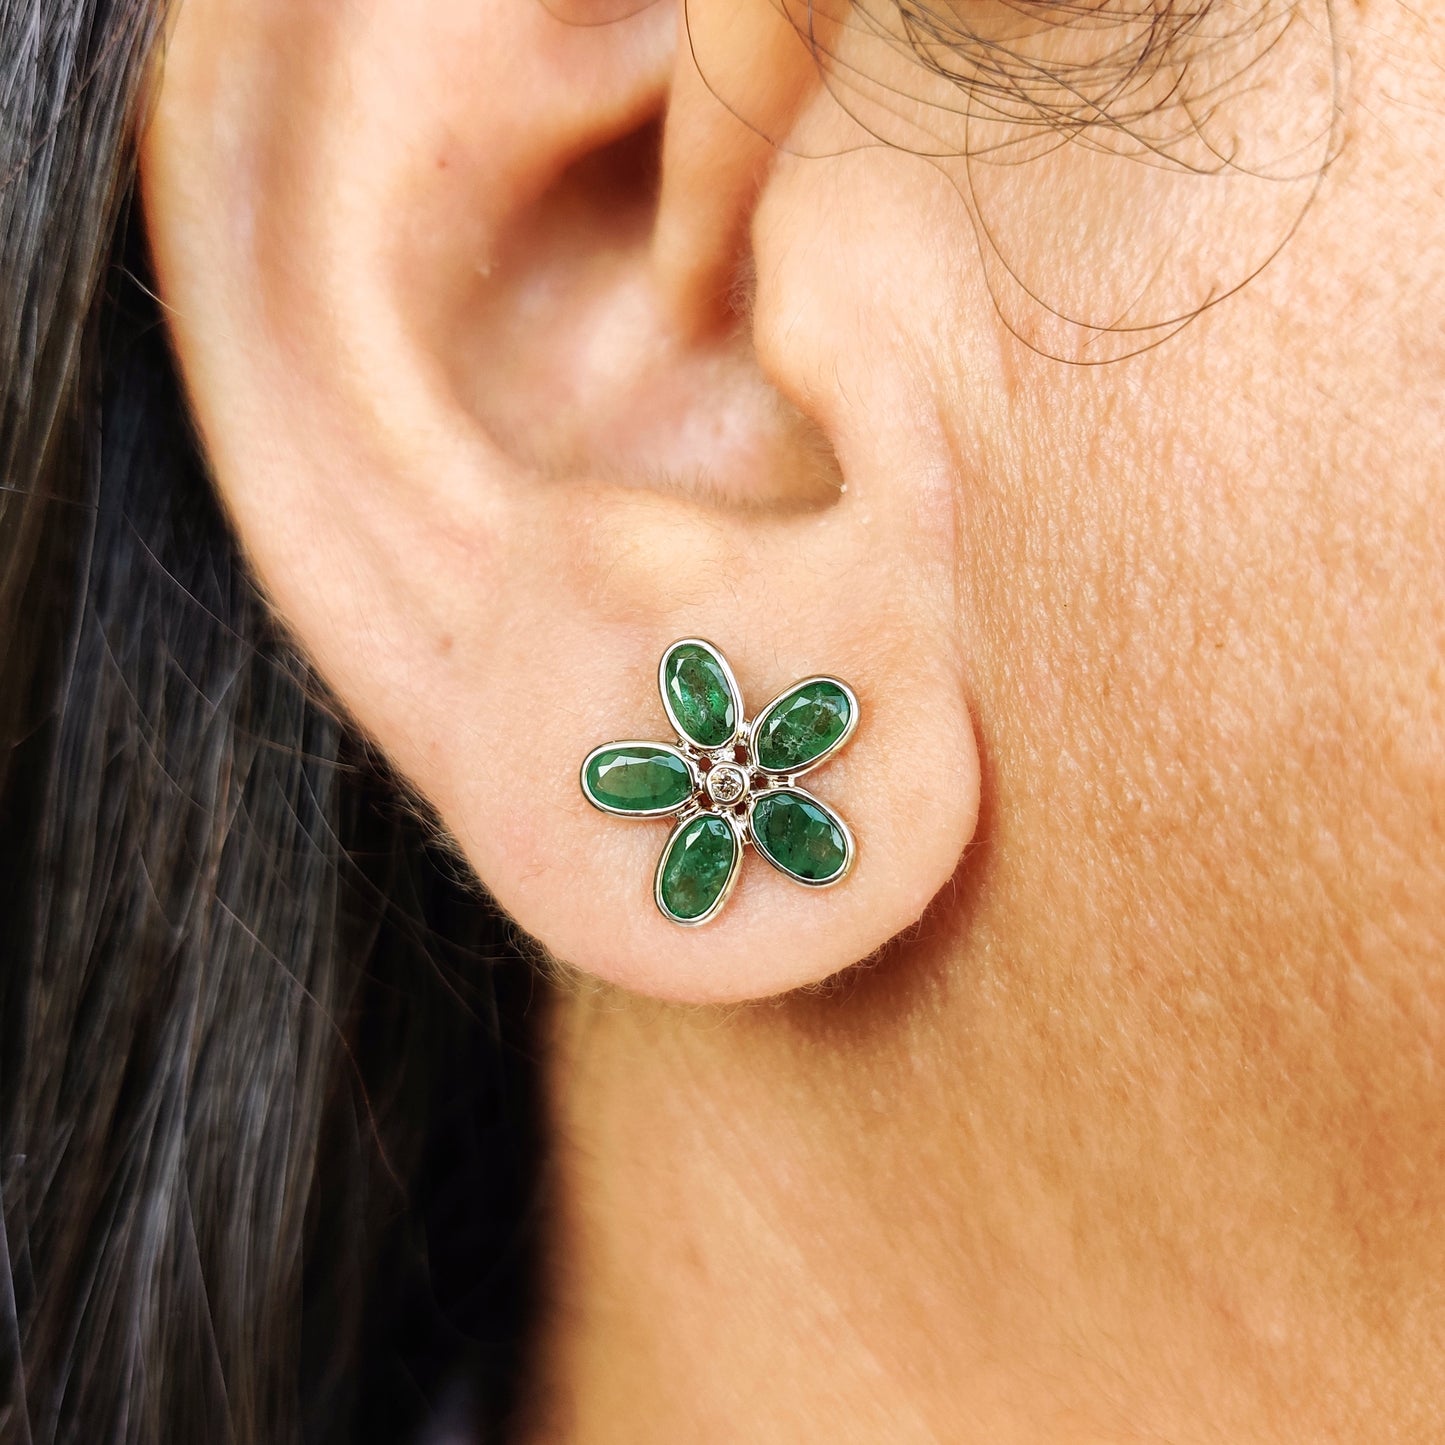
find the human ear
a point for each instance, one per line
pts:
(462, 356)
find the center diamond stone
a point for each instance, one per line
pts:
(726, 783)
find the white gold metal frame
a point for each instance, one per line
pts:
(828, 753)
(727, 672)
(741, 751)
(739, 847)
(850, 848)
(678, 752)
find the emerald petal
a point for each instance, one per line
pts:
(640, 779)
(699, 693)
(797, 833)
(697, 869)
(800, 728)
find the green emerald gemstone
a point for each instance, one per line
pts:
(695, 869)
(800, 835)
(801, 726)
(698, 695)
(637, 778)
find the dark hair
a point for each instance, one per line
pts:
(264, 1080)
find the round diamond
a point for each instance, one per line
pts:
(726, 783)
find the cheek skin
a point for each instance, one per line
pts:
(1202, 603)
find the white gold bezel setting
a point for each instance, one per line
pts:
(734, 690)
(850, 847)
(739, 847)
(740, 752)
(841, 741)
(672, 808)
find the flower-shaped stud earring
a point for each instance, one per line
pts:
(730, 782)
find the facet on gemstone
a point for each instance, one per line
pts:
(804, 725)
(804, 838)
(699, 693)
(697, 869)
(638, 779)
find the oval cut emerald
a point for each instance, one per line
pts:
(801, 836)
(637, 778)
(696, 868)
(802, 726)
(698, 695)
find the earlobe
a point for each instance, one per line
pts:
(444, 327)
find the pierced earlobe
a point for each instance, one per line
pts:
(556, 440)
(730, 782)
